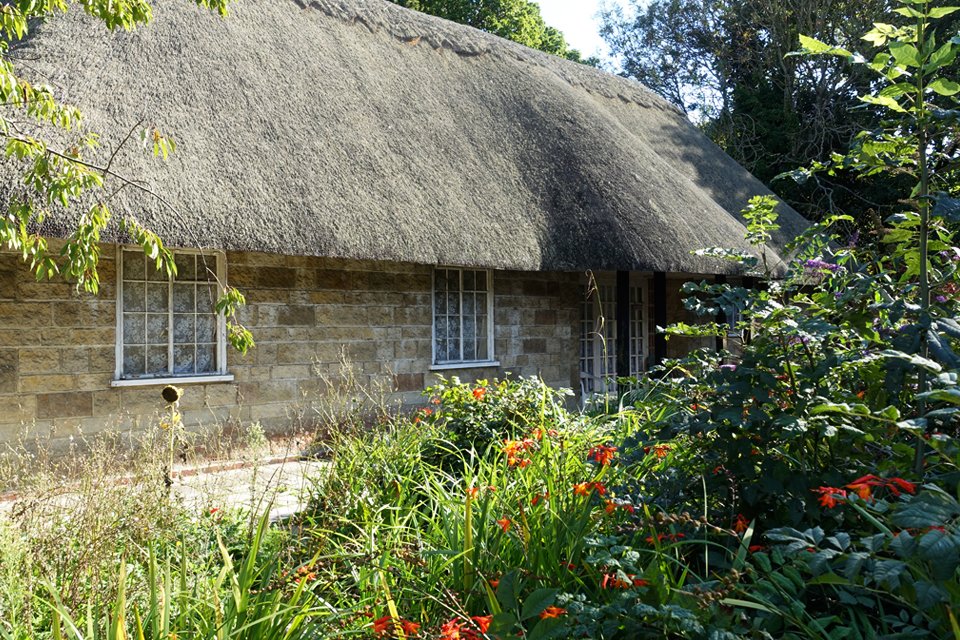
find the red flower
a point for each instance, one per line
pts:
(410, 628)
(863, 486)
(741, 524)
(828, 496)
(552, 612)
(479, 393)
(600, 488)
(895, 484)
(482, 622)
(540, 497)
(451, 631)
(504, 524)
(755, 547)
(602, 454)
(383, 626)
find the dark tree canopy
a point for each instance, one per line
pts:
(725, 63)
(517, 20)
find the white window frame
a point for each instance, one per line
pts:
(600, 381)
(490, 360)
(219, 375)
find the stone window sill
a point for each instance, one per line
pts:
(156, 382)
(483, 364)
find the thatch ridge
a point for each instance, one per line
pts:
(361, 129)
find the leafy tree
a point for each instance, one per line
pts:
(51, 150)
(725, 63)
(517, 20)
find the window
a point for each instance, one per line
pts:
(599, 335)
(462, 316)
(167, 327)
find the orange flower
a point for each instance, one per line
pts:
(451, 631)
(524, 463)
(383, 626)
(741, 524)
(863, 486)
(410, 628)
(895, 484)
(581, 489)
(610, 507)
(504, 524)
(479, 393)
(600, 487)
(828, 496)
(661, 450)
(494, 583)
(482, 622)
(540, 497)
(552, 612)
(473, 491)
(602, 454)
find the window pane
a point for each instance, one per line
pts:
(206, 358)
(207, 268)
(441, 349)
(133, 361)
(469, 327)
(155, 274)
(133, 296)
(158, 297)
(157, 360)
(183, 329)
(482, 352)
(469, 348)
(453, 304)
(440, 280)
(157, 328)
(469, 280)
(134, 328)
(186, 266)
(183, 359)
(184, 297)
(453, 330)
(481, 280)
(133, 264)
(453, 350)
(469, 304)
(206, 328)
(206, 298)
(440, 304)
(441, 327)
(481, 303)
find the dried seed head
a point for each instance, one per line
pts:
(171, 393)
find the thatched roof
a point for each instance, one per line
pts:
(359, 129)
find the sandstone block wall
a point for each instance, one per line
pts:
(309, 316)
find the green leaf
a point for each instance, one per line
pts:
(813, 46)
(905, 54)
(536, 602)
(940, 12)
(884, 101)
(944, 87)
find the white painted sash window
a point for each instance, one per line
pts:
(462, 316)
(167, 327)
(599, 335)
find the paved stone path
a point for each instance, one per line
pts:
(248, 484)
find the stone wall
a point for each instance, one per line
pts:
(312, 318)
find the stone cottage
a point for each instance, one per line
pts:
(418, 195)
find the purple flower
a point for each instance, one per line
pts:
(854, 238)
(820, 265)
(941, 299)
(728, 367)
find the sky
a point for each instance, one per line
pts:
(578, 21)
